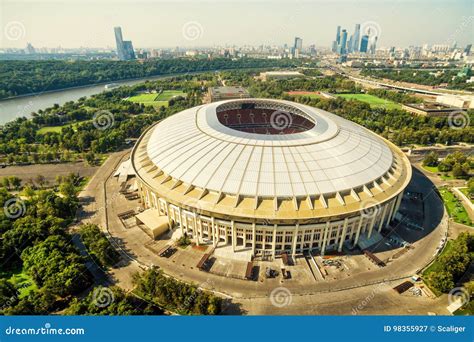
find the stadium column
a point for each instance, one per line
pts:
(397, 206)
(382, 219)
(253, 237)
(358, 230)
(195, 230)
(392, 207)
(274, 240)
(180, 220)
(343, 235)
(170, 222)
(325, 238)
(234, 235)
(372, 223)
(295, 238)
(214, 242)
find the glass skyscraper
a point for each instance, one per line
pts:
(364, 43)
(124, 48)
(356, 38)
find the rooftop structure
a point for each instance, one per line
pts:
(259, 173)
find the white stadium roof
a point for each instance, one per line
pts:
(336, 155)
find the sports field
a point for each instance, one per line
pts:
(156, 100)
(372, 100)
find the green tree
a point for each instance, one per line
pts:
(458, 171)
(431, 159)
(8, 294)
(98, 245)
(15, 182)
(443, 281)
(56, 264)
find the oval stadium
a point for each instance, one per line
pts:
(266, 177)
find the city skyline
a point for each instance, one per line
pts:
(193, 24)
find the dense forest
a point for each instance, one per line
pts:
(25, 77)
(424, 77)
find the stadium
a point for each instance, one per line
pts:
(267, 177)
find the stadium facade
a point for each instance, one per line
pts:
(269, 176)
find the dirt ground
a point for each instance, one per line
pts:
(29, 172)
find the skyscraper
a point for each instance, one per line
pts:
(373, 44)
(128, 50)
(342, 45)
(297, 46)
(356, 38)
(298, 43)
(119, 43)
(364, 43)
(335, 44)
(124, 48)
(467, 49)
(350, 43)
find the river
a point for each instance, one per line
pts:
(23, 106)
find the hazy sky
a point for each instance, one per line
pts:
(159, 23)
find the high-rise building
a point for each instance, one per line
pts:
(124, 48)
(356, 38)
(30, 50)
(298, 43)
(335, 44)
(297, 46)
(467, 50)
(350, 43)
(119, 43)
(128, 50)
(343, 43)
(364, 43)
(373, 44)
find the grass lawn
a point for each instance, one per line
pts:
(454, 207)
(434, 169)
(372, 100)
(57, 129)
(156, 100)
(143, 98)
(167, 95)
(22, 281)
